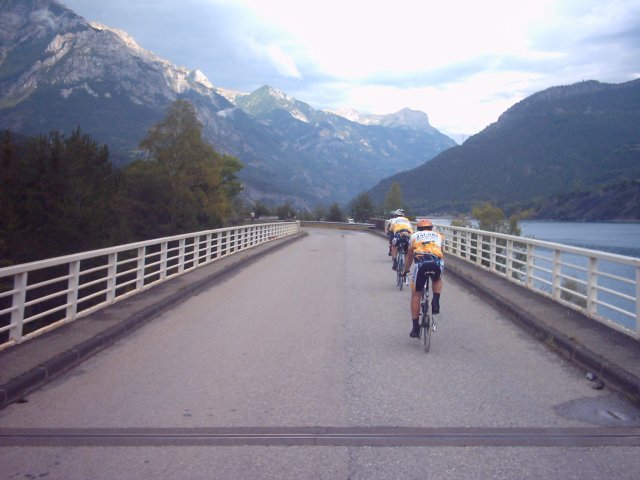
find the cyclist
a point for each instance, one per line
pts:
(425, 247)
(401, 229)
(387, 229)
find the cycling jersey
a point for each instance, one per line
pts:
(427, 241)
(400, 223)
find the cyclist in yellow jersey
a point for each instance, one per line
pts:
(401, 229)
(425, 253)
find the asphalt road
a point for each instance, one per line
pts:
(301, 366)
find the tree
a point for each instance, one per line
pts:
(319, 213)
(393, 199)
(362, 208)
(56, 196)
(492, 219)
(285, 211)
(261, 210)
(335, 214)
(198, 183)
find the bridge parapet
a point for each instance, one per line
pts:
(601, 285)
(39, 296)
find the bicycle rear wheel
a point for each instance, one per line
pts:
(400, 271)
(427, 320)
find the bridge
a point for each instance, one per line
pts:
(280, 351)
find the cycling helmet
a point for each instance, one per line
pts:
(423, 223)
(399, 212)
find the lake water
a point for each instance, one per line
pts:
(619, 238)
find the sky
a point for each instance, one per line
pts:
(462, 62)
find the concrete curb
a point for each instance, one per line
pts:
(27, 382)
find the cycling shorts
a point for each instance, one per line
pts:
(401, 241)
(423, 266)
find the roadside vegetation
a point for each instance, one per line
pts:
(61, 194)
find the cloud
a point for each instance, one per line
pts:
(283, 63)
(463, 62)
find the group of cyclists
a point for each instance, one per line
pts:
(423, 250)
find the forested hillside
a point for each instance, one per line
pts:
(61, 194)
(618, 202)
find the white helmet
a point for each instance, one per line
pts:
(399, 212)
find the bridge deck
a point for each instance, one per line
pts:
(612, 356)
(298, 364)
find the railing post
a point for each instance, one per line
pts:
(509, 260)
(112, 271)
(556, 291)
(163, 260)
(592, 290)
(530, 265)
(208, 248)
(72, 285)
(196, 251)
(17, 301)
(140, 269)
(492, 253)
(181, 250)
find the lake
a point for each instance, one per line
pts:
(619, 238)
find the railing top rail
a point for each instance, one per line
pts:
(633, 261)
(52, 262)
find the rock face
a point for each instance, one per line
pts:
(58, 72)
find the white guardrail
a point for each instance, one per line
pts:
(604, 286)
(39, 296)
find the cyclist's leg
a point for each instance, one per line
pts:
(417, 284)
(437, 288)
(394, 251)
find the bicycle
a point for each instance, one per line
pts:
(427, 322)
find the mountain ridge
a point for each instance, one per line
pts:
(562, 139)
(58, 72)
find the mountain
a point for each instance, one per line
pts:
(58, 71)
(333, 151)
(569, 138)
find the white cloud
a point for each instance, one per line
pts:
(283, 62)
(463, 62)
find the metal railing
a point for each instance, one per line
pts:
(604, 286)
(39, 296)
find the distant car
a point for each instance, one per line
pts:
(350, 220)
